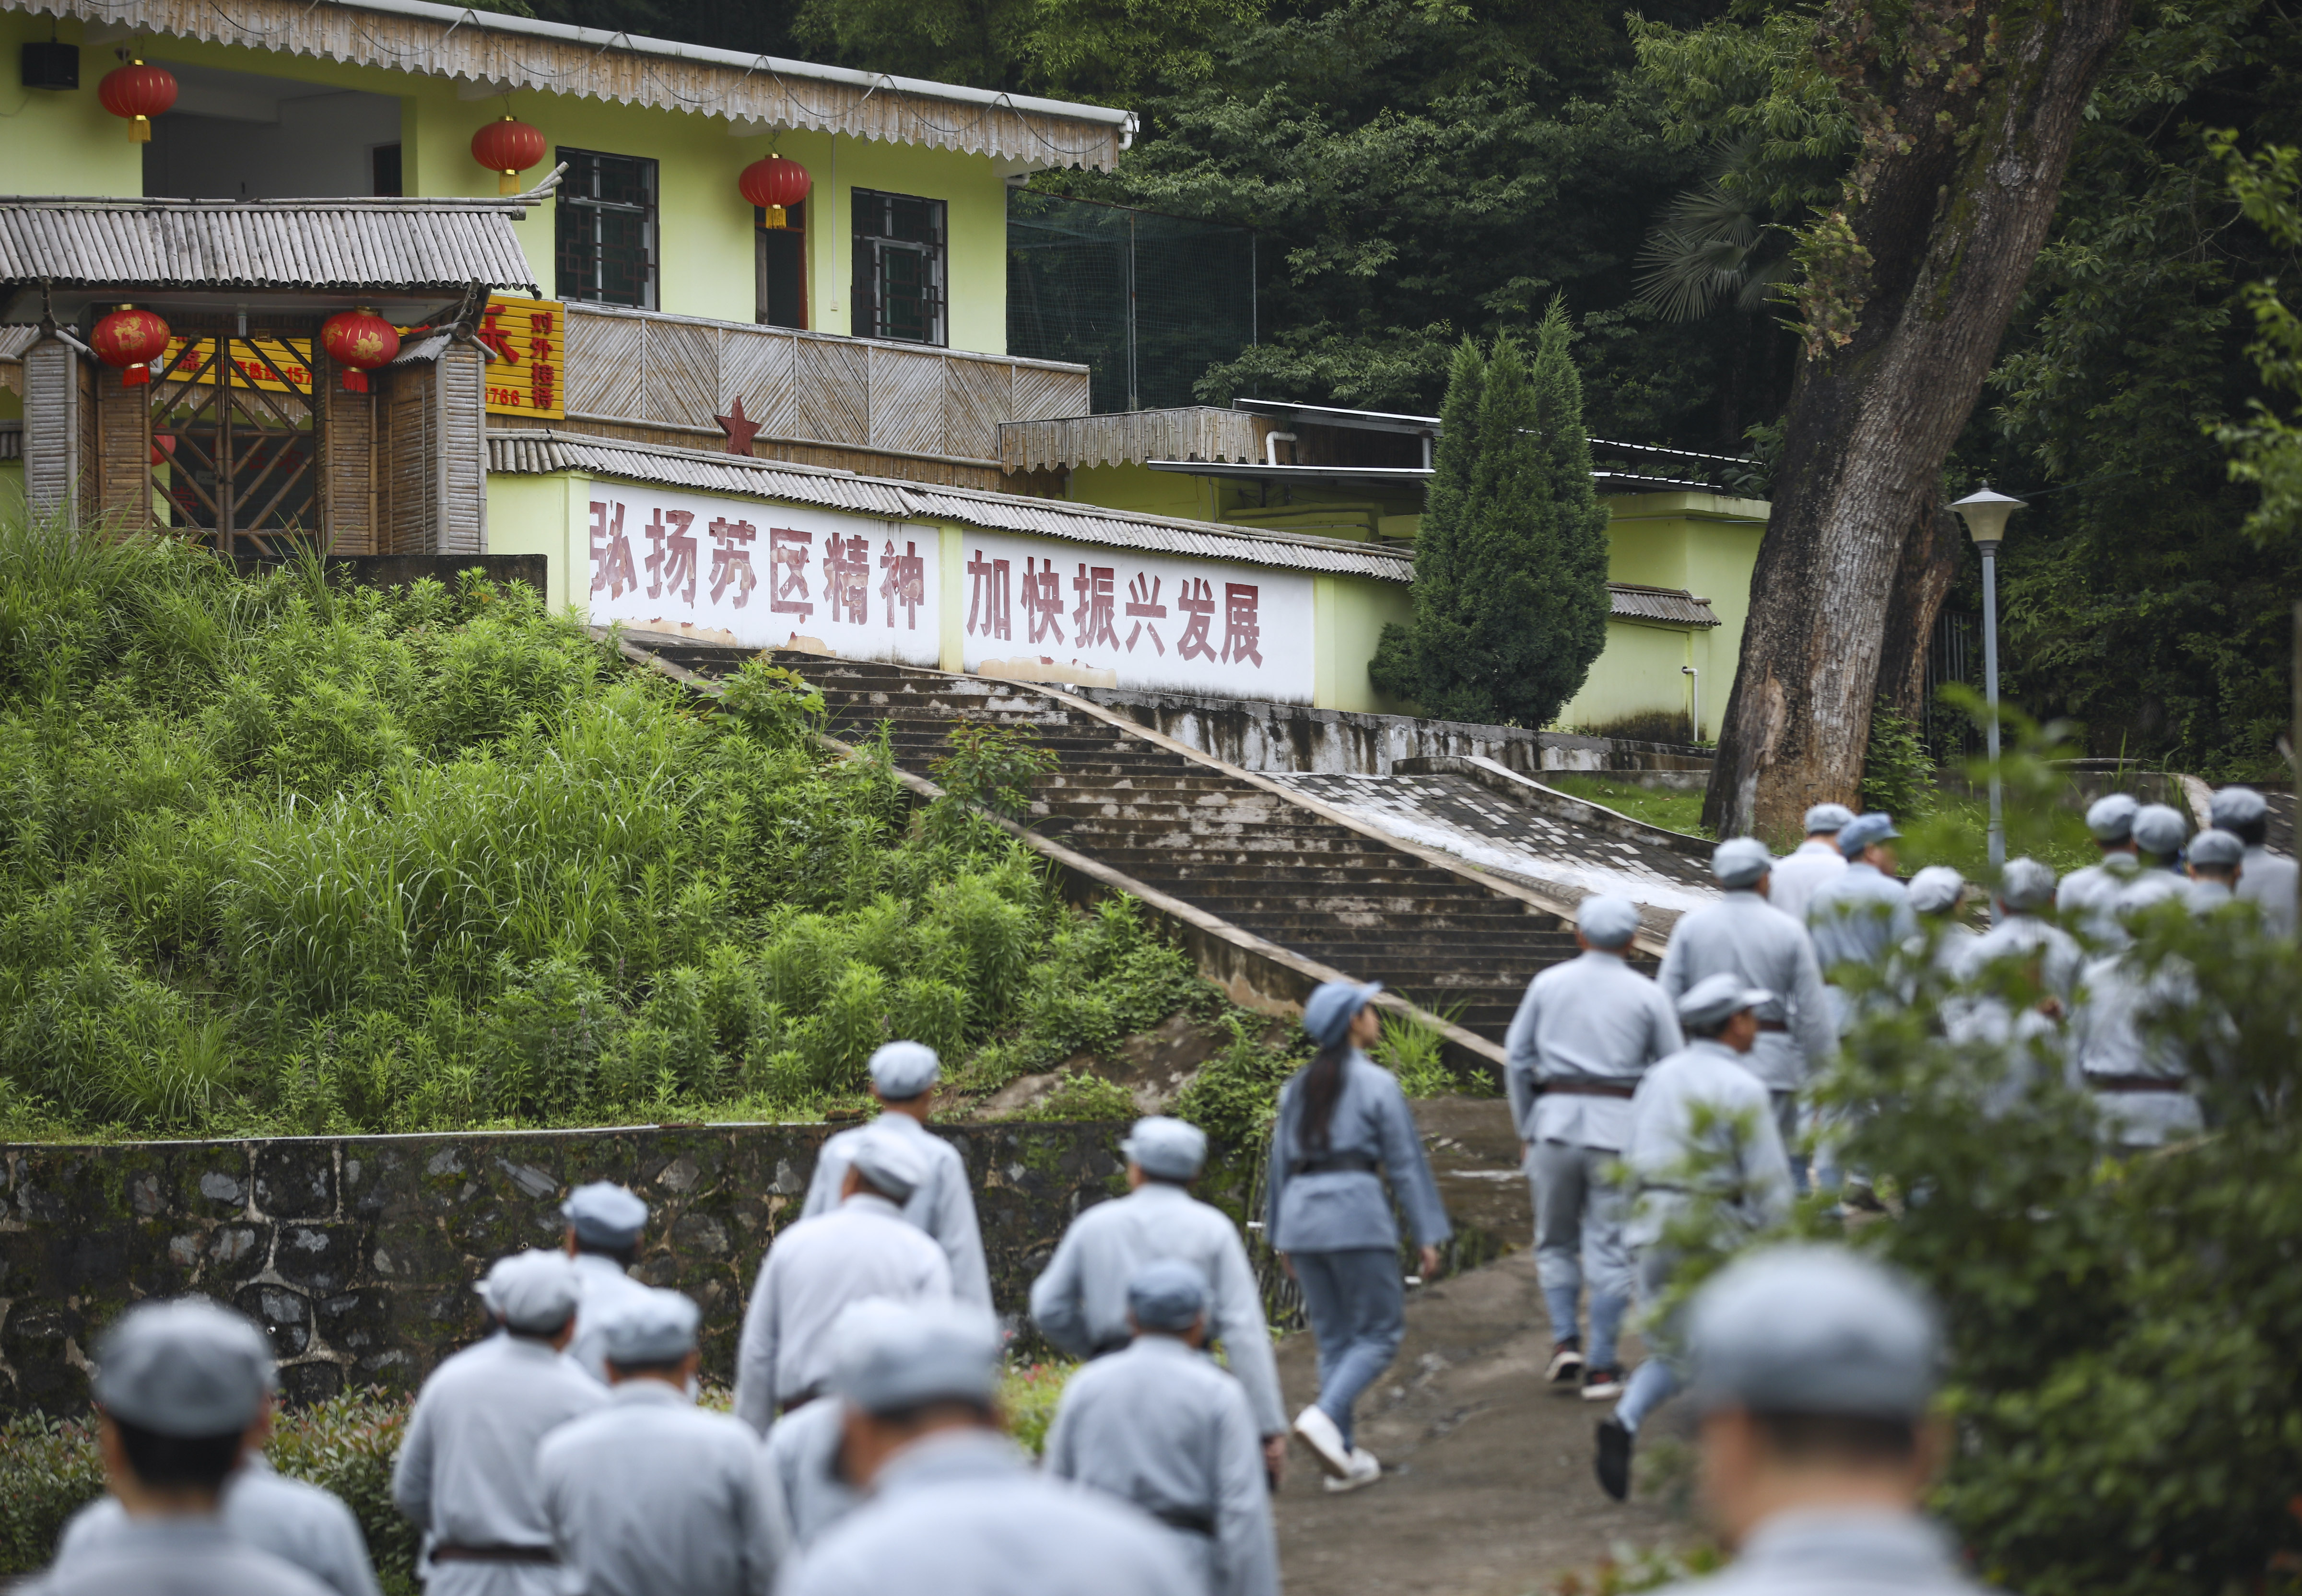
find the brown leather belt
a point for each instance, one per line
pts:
(800, 1401)
(1586, 1088)
(542, 1555)
(2135, 1083)
(1772, 1025)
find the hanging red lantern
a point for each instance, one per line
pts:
(774, 183)
(138, 93)
(129, 341)
(360, 340)
(508, 148)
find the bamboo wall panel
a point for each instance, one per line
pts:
(1187, 433)
(1040, 393)
(123, 451)
(906, 400)
(603, 358)
(84, 477)
(982, 475)
(976, 395)
(758, 367)
(349, 489)
(680, 381)
(410, 451)
(51, 428)
(460, 392)
(834, 381)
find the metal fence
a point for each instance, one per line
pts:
(1147, 301)
(1952, 655)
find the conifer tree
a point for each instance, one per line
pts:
(1510, 564)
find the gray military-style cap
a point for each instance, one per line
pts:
(891, 1164)
(1863, 830)
(2112, 819)
(903, 1069)
(1936, 890)
(604, 1215)
(184, 1368)
(1713, 999)
(2160, 830)
(1820, 1329)
(1167, 1294)
(1739, 862)
(897, 1356)
(533, 1292)
(1171, 1150)
(1823, 819)
(2217, 851)
(1606, 920)
(2025, 885)
(653, 1327)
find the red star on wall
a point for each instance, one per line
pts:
(740, 428)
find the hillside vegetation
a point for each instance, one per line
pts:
(276, 855)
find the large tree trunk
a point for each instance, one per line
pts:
(1967, 124)
(1923, 578)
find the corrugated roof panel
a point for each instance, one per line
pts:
(81, 243)
(1672, 605)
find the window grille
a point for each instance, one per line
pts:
(606, 229)
(899, 268)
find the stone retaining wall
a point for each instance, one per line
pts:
(358, 1253)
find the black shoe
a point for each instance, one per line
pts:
(1614, 1461)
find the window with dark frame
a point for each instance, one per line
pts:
(606, 246)
(782, 258)
(383, 166)
(899, 268)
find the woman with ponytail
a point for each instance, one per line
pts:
(1343, 1125)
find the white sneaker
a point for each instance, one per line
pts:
(1317, 1432)
(1363, 1471)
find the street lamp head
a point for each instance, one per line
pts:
(1986, 514)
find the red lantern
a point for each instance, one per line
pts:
(508, 148)
(361, 340)
(773, 184)
(138, 93)
(129, 339)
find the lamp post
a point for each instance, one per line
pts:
(1986, 514)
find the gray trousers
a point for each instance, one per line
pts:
(1578, 1239)
(1356, 1303)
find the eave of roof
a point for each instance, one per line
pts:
(527, 52)
(1659, 605)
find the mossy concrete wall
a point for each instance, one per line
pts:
(358, 1253)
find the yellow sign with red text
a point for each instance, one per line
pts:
(256, 363)
(526, 340)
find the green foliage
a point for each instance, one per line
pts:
(1510, 595)
(1029, 1395)
(51, 1468)
(2267, 451)
(1413, 1050)
(992, 766)
(1674, 809)
(1898, 775)
(1236, 1093)
(1079, 1096)
(275, 855)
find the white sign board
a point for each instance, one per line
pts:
(763, 576)
(1152, 621)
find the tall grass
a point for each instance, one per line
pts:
(278, 856)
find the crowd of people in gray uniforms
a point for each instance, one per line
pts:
(566, 1454)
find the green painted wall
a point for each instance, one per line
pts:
(548, 515)
(1148, 492)
(1640, 673)
(705, 230)
(1348, 614)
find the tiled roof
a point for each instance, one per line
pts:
(1674, 605)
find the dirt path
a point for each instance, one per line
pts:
(1488, 1488)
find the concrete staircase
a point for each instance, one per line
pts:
(1281, 867)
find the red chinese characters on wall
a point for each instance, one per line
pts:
(989, 613)
(611, 553)
(1094, 612)
(731, 561)
(671, 558)
(847, 578)
(787, 553)
(904, 582)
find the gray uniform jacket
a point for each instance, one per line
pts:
(1737, 1157)
(651, 1493)
(1160, 1426)
(176, 1556)
(1593, 1018)
(1081, 1303)
(801, 1459)
(1744, 935)
(943, 1207)
(1824, 1552)
(605, 1284)
(1335, 1209)
(2088, 899)
(2269, 879)
(963, 1513)
(1792, 884)
(2023, 940)
(295, 1521)
(1860, 917)
(862, 1248)
(467, 1470)
(2107, 1043)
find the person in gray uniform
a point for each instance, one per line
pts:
(294, 1521)
(183, 1395)
(1703, 1137)
(2269, 880)
(467, 1470)
(2217, 864)
(1584, 1035)
(956, 1506)
(1798, 874)
(2020, 984)
(805, 1456)
(1816, 1449)
(1160, 1426)
(864, 1248)
(1744, 936)
(604, 1223)
(904, 1076)
(2087, 901)
(1342, 1125)
(651, 1493)
(1079, 1302)
(1864, 915)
